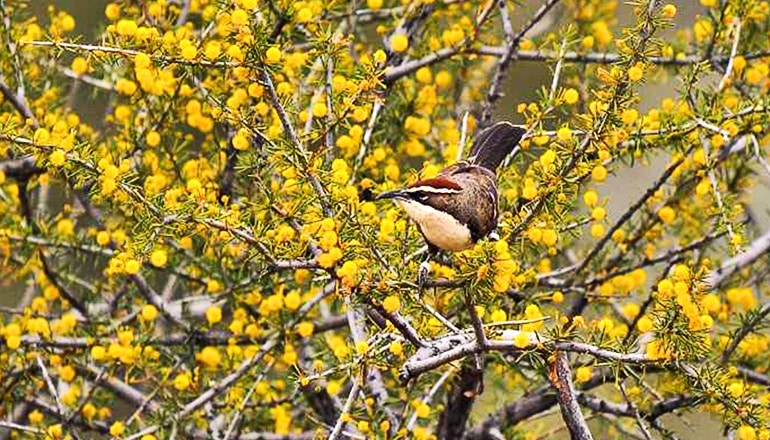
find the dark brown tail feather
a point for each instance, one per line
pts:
(495, 143)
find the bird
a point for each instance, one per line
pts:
(459, 206)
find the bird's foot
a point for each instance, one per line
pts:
(422, 275)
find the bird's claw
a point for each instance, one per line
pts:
(422, 275)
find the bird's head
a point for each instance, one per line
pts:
(423, 191)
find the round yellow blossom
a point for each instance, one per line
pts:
(239, 17)
(564, 134)
(182, 381)
(629, 116)
(132, 266)
(396, 348)
(669, 11)
(293, 300)
(598, 213)
(746, 432)
(117, 429)
(521, 340)
(103, 238)
(424, 75)
(333, 387)
(590, 198)
(667, 215)
(305, 329)
(399, 42)
(599, 173)
(598, 230)
(153, 138)
(212, 50)
(550, 237)
(57, 157)
(273, 55)
(636, 72)
(374, 4)
(571, 96)
(583, 374)
(67, 373)
(319, 110)
(391, 304)
(443, 79)
(557, 297)
(159, 258)
(644, 324)
(35, 417)
(79, 65)
(241, 141)
(210, 357)
(149, 312)
(126, 28)
(112, 11)
(304, 15)
(213, 315)
(189, 52)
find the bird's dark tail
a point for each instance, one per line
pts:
(494, 144)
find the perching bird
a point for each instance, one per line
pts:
(458, 207)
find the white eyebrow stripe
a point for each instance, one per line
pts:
(434, 190)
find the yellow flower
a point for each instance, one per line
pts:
(273, 55)
(391, 304)
(213, 315)
(35, 417)
(746, 432)
(583, 374)
(305, 329)
(117, 429)
(629, 116)
(667, 215)
(644, 324)
(636, 73)
(521, 340)
(67, 373)
(57, 157)
(571, 96)
(599, 173)
(333, 387)
(564, 134)
(182, 381)
(598, 213)
(669, 11)
(149, 312)
(590, 198)
(598, 230)
(112, 11)
(399, 42)
(304, 15)
(374, 4)
(319, 110)
(159, 258)
(239, 17)
(210, 357)
(126, 28)
(241, 141)
(396, 348)
(212, 50)
(65, 226)
(292, 300)
(550, 237)
(132, 266)
(79, 65)
(153, 138)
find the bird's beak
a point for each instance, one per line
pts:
(399, 193)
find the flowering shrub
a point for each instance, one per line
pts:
(207, 261)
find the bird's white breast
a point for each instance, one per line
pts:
(440, 229)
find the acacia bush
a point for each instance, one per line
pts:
(206, 260)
